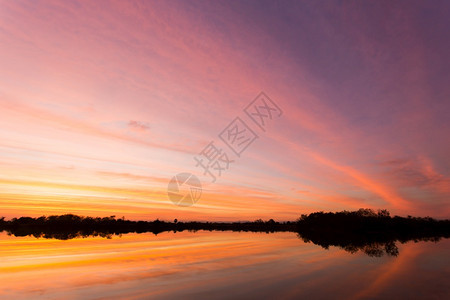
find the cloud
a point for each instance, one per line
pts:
(138, 126)
(78, 78)
(417, 172)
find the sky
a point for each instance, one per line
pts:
(103, 102)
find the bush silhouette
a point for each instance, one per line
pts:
(374, 233)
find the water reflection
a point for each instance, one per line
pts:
(372, 233)
(214, 265)
(371, 245)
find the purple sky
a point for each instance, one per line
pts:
(103, 102)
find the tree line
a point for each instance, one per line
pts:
(374, 233)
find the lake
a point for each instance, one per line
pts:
(216, 265)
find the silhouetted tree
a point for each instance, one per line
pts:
(364, 230)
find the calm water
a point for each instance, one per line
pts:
(216, 265)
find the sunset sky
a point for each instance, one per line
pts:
(103, 102)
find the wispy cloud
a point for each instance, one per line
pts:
(126, 94)
(139, 126)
